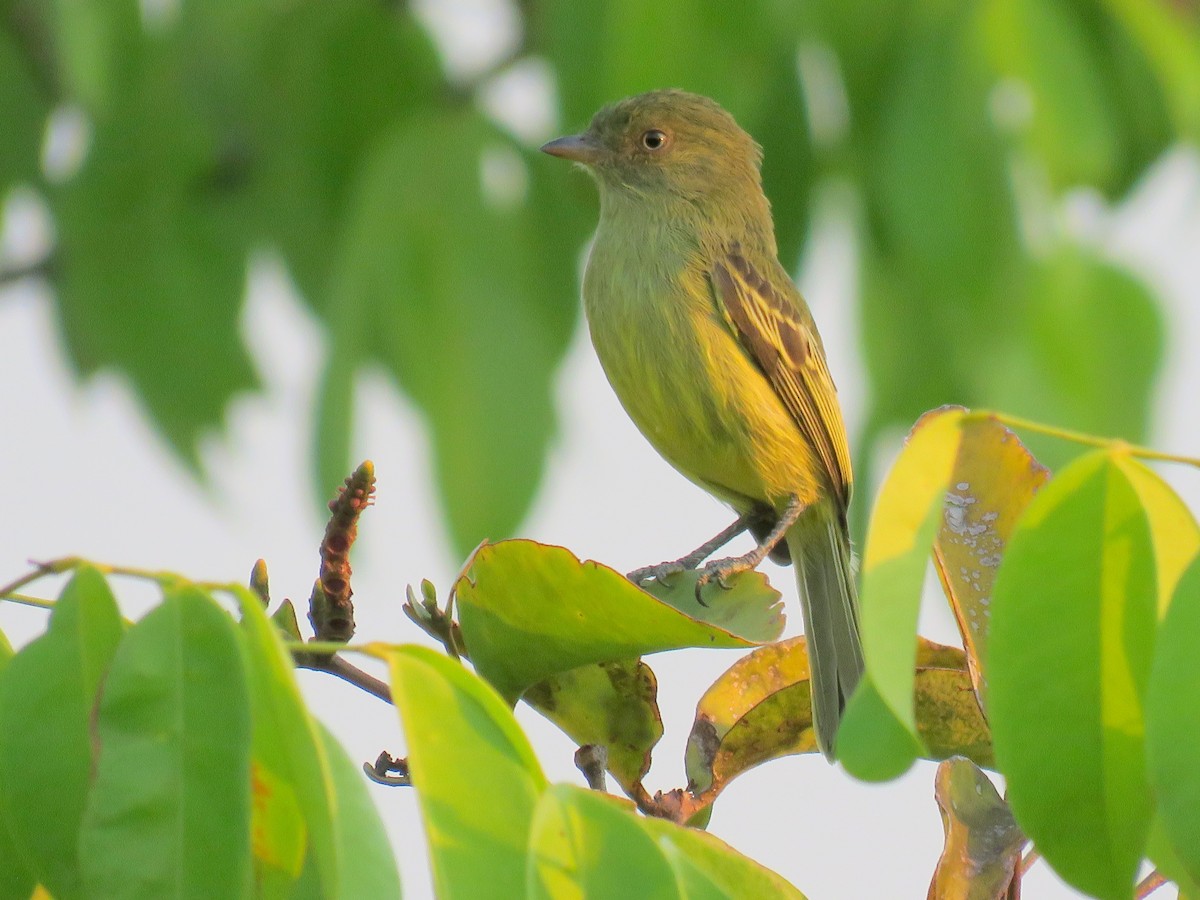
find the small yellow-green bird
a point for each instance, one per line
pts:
(715, 356)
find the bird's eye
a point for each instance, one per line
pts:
(654, 139)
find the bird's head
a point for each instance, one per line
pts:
(666, 143)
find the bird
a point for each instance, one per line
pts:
(715, 356)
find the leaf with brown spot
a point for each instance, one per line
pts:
(983, 843)
(993, 480)
(613, 705)
(761, 709)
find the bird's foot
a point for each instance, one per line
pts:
(721, 570)
(661, 572)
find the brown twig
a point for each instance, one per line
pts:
(385, 765)
(348, 672)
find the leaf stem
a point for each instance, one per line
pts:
(1090, 440)
(26, 600)
(1149, 885)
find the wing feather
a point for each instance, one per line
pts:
(786, 349)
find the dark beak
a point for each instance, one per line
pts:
(581, 148)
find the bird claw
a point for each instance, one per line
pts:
(660, 573)
(720, 571)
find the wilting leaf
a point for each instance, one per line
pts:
(983, 842)
(612, 705)
(761, 709)
(993, 480)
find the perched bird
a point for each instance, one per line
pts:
(715, 356)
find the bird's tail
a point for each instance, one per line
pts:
(820, 549)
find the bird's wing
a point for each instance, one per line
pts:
(786, 349)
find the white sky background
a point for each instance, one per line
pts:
(81, 472)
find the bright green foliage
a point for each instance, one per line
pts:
(291, 768)
(476, 777)
(1173, 728)
(1067, 712)
(169, 810)
(571, 613)
(47, 693)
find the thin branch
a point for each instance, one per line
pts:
(1029, 859)
(335, 665)
(1149, 885)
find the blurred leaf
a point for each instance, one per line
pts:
(1169, 35)
(1173, 531)
(290, 762)
(1073, 621)
(1173, 722)
(1140, 117)
(1042, 47)
(474, 771)
(95, 48)
(761, 709)
(1095, 347)
(877, 739)
(168, 813)
(47, 696)
(993, 480)
(983, 842)
(16, 878)
(613, 705)
(1162, 852)
(529, 611)
(153, 251)
(584, 844)
(444, 278)
(368, 861)
(736, 54)
(23, 110)
(723, 867)
(941, 238)
(330, 82)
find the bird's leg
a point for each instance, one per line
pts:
(685, 563)
(720, 570)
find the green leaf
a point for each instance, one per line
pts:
(368, 862)
(47, 696)
(994, 479)
(721, 866)
(1043, 46)
(878, 738)
(529, 611)
(584, 844)
(444, 275)
(291, 768)
(475, 774)
(1100, 380)
(23, 110)
(1073, 621)
(761, 709)
(982, 854)
(149, 231)
(608, 704)
(169, 809)
(1173, 722)
(749, 607)
(16, 878)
